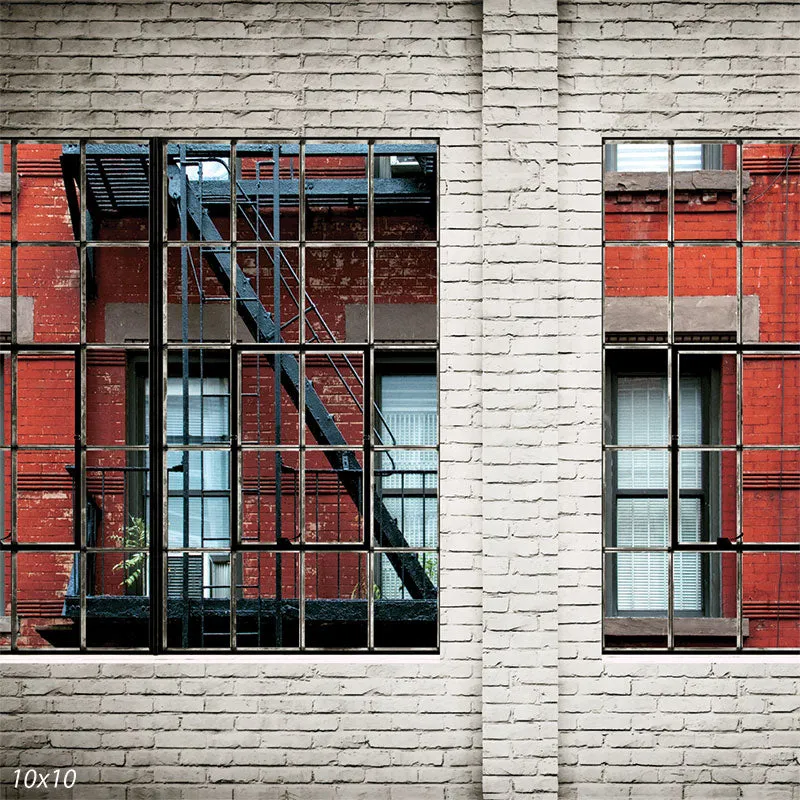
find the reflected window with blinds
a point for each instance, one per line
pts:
(654, 157)
(198, 480)
(641, 510)
(406, 475)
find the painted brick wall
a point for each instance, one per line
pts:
(354, 729)
(521, 703)
(683, 728)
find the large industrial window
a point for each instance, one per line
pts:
(220, 375)
(701, 435)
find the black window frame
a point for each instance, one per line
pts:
(675, 344)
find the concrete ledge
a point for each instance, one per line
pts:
(683, 626)
(24, 318)
(702, 180)
(700, 314)
(129, 322)
(403, 322)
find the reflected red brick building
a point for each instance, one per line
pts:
(269, 398)
(698, 256)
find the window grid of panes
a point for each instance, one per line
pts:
(701, 434)
(267, 501)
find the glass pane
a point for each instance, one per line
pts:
(117, 295)
(116, 503)
(115, 404)
(267, 190)
(772, 192)
(5, 286)
(199, 181)
(705, 600)
(336, 192)
(705, 282)
(635, 185)
(705, 191)
(770, 496)
(334, 488)
(771, 400)
(45, 494)
(117, 603)
(707, 399)
(198, 509)
(5, 198)
(771, 294)
(198, 398)
(334, 399)
(268, 298)
(199, 522)
(406, 409)
(336, 289)
(199, 305)
(636, 304)
(642, 410)
(405, 294)
(405, 191)
(48, 611)
(267, 606)
(5, 393)
(208, 470)
(5, 516)
(198, 600)
(336, 586)
(269, 411)
(402, 619)
(118, 180)
(406, 498)
(635, 600)
(43, 209)
(770, 599)
(270, 497)
(641, 522)
(707, 506)
(46, 399)
(48, 295)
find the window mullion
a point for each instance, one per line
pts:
(157, 239)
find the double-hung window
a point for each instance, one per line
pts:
(639, 510)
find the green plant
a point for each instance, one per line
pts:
(431, 566)
(134, 536)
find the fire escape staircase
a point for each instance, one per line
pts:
(261, 325)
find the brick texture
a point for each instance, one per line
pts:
(679, 728)
(521, 703)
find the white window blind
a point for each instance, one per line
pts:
(655, 157)
(409, 411)
(642, 420)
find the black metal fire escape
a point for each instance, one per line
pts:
(261, 326)
(115, 176)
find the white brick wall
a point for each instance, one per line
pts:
(687, 729)
(521, 703)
